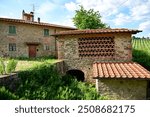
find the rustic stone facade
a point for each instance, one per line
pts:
(28, 33)
(68, 47)
(80, 51)
(122, 89)
(68, 50)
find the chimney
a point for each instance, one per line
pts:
(38, 20)
(32, 13)
(28, 16)
(23, 12)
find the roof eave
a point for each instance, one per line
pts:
(36, 23)
(64, 34)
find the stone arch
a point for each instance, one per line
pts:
(76, 73)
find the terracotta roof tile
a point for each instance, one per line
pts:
(35, 23)
(120, 70)
(96, 31)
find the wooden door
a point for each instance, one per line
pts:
(32, 51)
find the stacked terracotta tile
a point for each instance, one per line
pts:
(119, 70)
(96, 47)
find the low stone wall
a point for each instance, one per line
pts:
(60, 67)
(10, 81)
(122, 89)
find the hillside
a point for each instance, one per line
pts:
(141, 52)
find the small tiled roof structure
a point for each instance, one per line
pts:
(112, 70)
(97, 31)
(35, 23)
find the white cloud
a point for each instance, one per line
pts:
(67, 21)
(105, 7)
(71, 6)
(137, 9)
(116, 13)
(140, 12)
(122, 19)
(145, 25)
(46, 7)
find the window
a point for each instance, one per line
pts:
(46, 47)
(12, 29)
(99, 47)
(12, 47)
(46, 32)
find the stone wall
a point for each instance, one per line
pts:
(68, 51)
(27, 33)
(122, 89)
(68, 46)
(10, 81)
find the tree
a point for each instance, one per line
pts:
(90, 19)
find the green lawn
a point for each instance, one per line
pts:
(27, 64)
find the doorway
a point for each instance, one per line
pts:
(78, 74)
(32, 51)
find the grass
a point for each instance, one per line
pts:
(43, 82)
(141, 52)
(27, 64)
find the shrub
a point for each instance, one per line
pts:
(7, 95)
(11, 65)
(2, 67)
(74, 90)
(43, 82)
(142, 57)
(40, 82)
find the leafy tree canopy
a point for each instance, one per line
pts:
(88, 19)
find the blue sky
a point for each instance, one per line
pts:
(133, 14)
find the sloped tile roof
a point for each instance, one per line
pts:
(128, 70)
(35, 23)
(96, 31)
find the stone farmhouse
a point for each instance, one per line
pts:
(99, 56)
(104, 57)
(28, 38)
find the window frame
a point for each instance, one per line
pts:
(46, 32)
(46, 47)
(12, 29)
(12, 47)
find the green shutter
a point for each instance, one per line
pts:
(46, 32)
(12, 29)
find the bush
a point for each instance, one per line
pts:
(40, 82)
(142, 58)
(11, 65)
(43, 82)
(42, 58)
(2, 67)
(7, 95)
